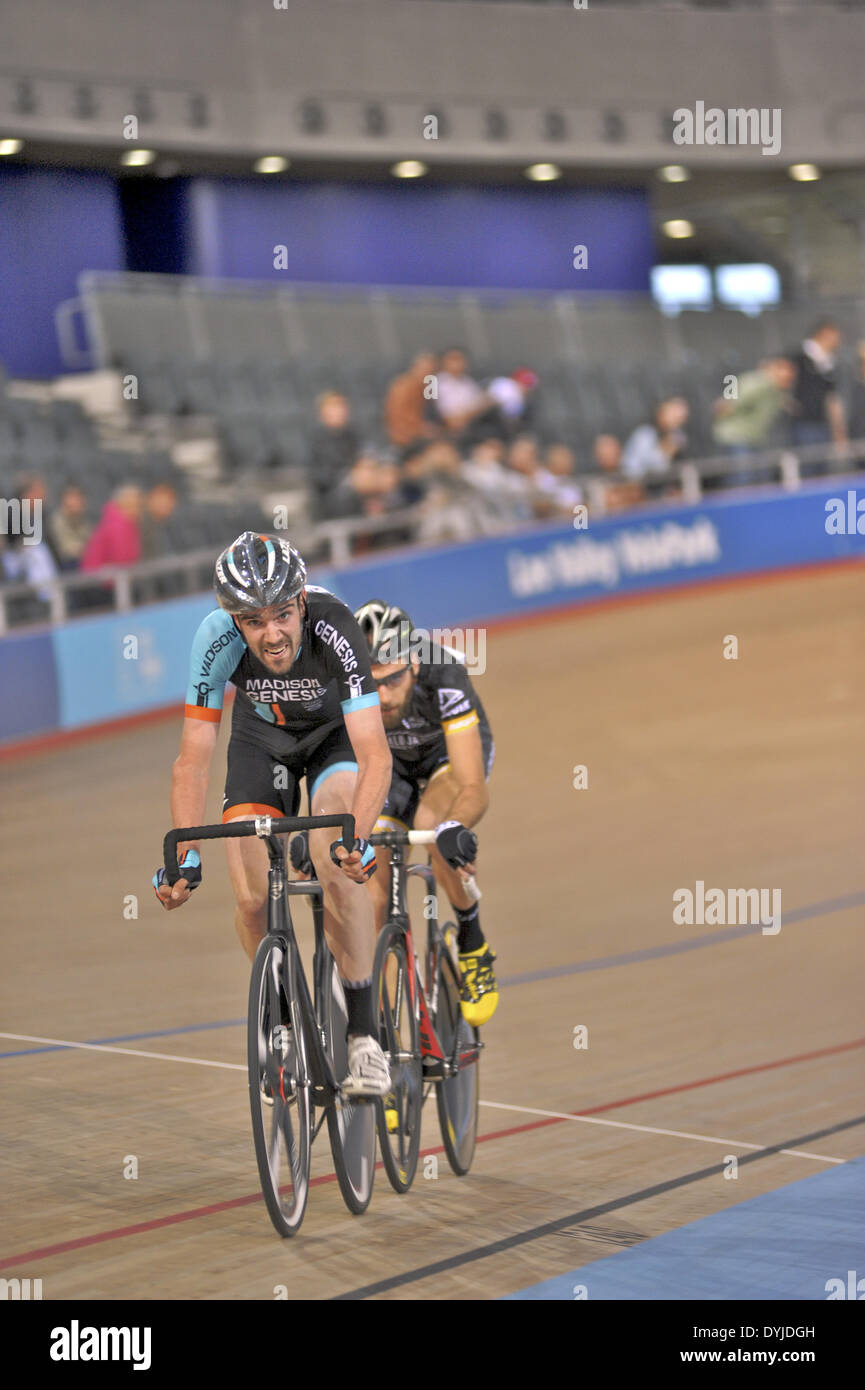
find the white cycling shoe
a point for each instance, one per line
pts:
(368, 1071)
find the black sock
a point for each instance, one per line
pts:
(358, 1002)
(471, 938)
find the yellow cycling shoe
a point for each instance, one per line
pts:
(478, 995)
(391, 1114)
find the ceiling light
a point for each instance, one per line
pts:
(408, 169)
(542, 173)
(134, 159)
(674, 173)
(677, 228)
(804, 173)
(271, 164)
(11, 146)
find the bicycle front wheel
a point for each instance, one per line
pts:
(350, 1123)
(457, 1096)
(399, 1114)
(279, 1084)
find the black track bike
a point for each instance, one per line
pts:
(428, 1043)
(296, 1043)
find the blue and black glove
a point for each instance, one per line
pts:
(367, 854)
(456, 844)
(190, 869)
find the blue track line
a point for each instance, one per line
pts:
(673, 948)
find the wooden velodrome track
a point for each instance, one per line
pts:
(702, 1041)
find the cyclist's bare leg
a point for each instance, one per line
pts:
(348, 910)
(433, 808)
(248, 864)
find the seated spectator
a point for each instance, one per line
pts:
(607, 460)
(70, 528)
(369, 488)
(28, 560)
(651, 449)
(745, 425)
(555, 480)
(461, 401)
(117, 537)
(333, 448)
(506, 491)
(407, 406)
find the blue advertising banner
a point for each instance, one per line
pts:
(28, 685)
(124, 663)
(105, 667)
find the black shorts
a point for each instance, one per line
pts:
(257, 783)
(410, 780)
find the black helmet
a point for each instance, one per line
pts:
(387, 629)
(256, 572)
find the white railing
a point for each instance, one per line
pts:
(121, 588)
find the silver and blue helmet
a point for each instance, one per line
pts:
(257, 571)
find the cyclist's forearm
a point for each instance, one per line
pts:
(469, 804)
(188, 797)
(373, 783)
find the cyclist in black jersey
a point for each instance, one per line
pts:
(443, 752)
(306, 706)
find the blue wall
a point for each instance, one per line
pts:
(406, 234)
(77, 675)
(53, 224)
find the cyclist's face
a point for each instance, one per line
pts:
(273, 634)
(395, 685)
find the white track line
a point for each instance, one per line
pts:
(126, 1051)
(651, 1129)
(489, 1104)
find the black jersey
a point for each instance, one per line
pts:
(330, 675)
(443, 701)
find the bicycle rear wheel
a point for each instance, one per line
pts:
(350, 1123)
(399, 1115)
(279, 1084)
(457, 1096)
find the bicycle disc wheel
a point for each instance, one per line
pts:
(456, 1096)
(350, 1123)
(399, 1114)
(278, 1069)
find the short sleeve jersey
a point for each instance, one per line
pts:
(443, 701)
(329, 677)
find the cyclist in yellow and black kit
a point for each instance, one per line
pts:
(443, 750)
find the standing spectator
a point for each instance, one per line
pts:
(818, 411)
(514, 396)
(333, 448)
(462, 403)
(159, 507)
(70, 528)
(117, 538)
(651, 449)
(857, 397)
(744, 425)
(407, 408)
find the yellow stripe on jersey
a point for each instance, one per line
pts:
(464, 721)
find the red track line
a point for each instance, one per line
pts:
(44, 743)
(192, 1214)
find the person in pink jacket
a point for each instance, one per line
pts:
(117, 538)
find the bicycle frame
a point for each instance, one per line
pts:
(423, 1000)
(279, 923)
